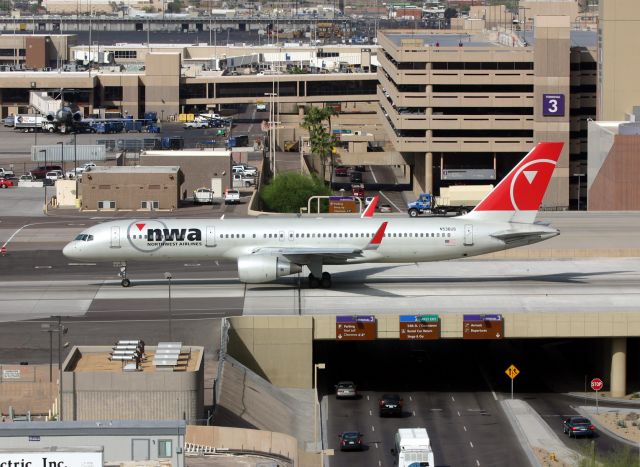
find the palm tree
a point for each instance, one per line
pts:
(321, 141)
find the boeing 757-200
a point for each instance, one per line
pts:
(271, 247)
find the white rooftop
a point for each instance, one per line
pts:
(215, 152)
(134, 169)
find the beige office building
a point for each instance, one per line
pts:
(619, 67)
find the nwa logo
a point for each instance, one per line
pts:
(154, 234)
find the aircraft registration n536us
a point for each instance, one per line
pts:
(272, 247)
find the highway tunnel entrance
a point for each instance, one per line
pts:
(546, 365)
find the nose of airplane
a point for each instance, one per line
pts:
(70, 250)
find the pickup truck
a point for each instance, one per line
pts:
(6, 173)
(245, 170)
(231, 196)
(203, 195)
(196, 124)
(240, 180)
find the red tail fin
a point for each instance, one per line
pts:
(518, 196)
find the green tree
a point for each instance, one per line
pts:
(321, 141)
(175, 7)
(290, 191)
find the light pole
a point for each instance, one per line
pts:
(316, 367)
(61, 143)
(75, 160)
(60, 329)
(167, 275)
(44, 179)
(272, 122)
(579, 187)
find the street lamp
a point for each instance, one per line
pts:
(316, 405)
(62, 154)
(579, 186)
(167, 275)
(44, 179)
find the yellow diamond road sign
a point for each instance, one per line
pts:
(512, 372)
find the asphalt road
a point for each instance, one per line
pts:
(452, 389)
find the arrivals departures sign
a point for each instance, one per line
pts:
(482, 327)
(356, 328)
(419, 327)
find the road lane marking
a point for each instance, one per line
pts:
(376, 445)
(436, 410)
(373, 428)
(465, 428)
(453, 399)
(76, 224)
(81, 264)
(367, 396)
(410, 398)
(373, 174)
(477, 462)
(379, 463)
(42, 267)
(192, 265)
(414, 413)
(370, 414)
(470, 444)
(458, 413)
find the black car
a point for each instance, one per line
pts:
(360, 168)
(351, 441)
(390, 404)
(356, 177)
(578, 426)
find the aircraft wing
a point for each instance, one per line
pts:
(302, 254)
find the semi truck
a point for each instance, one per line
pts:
(413, 448)
(457, 199)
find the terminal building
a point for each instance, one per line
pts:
(457, 108)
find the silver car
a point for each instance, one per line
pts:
(346, 389)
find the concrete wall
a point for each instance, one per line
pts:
(198, 170)
(619, 67)
(264, 343)
(243, 439)
(104, 395)
(161, 80)
(552, 76)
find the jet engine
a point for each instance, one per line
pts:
(264, 268)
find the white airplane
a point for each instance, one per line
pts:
(271, 247)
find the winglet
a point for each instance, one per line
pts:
(371, 207)
(377, 238)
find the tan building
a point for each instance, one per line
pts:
(35, 51)
(97, 387)
(468, 112)
(131, 188)
(619, 67)
(201, 168)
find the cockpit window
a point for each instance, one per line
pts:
(84, 238)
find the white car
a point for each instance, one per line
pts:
(73, 173)
(54, 175)
(89, 166)
(231, 196)
(246, 170)
(261, 107)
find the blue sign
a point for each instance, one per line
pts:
(356, 319)
(337, 199)
(553, 105)
(482, 318)
(419, 318)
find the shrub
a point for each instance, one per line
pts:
(290, 191)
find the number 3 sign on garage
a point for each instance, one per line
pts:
(553, 105)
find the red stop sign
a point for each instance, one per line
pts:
(596, 384)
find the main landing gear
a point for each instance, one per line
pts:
(324, 281)
(123, 273)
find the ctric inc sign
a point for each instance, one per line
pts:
(51, 459)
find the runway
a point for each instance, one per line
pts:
(93, 292)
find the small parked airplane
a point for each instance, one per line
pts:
(272, 247)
